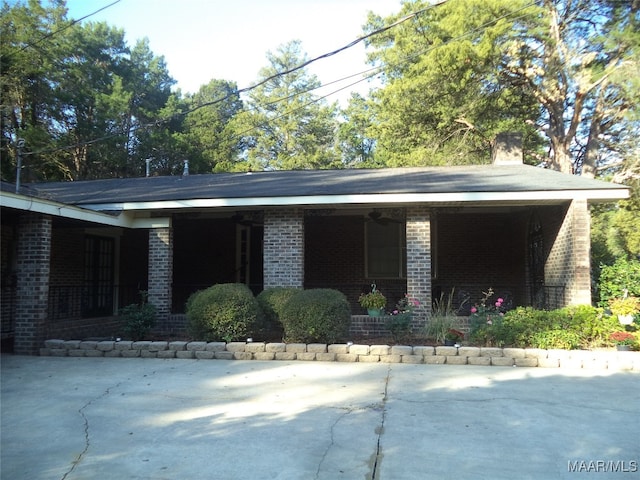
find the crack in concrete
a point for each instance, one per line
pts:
(331, 443)
(377, 460)
(87, 442)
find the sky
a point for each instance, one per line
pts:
(203, 40)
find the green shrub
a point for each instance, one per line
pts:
(398, 325)
(227, 311)
(591, 325)
(316, 315)
(555, 338)
(578, 326)
(138, 318)
(615, 279)
(272, 301)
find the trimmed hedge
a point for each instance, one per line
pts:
(227, 311)
(319, 315)
(272, 302)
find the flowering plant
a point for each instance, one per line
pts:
(405, 305)
(399, 319)
(374, 299)
(485, 311)
(623, 338)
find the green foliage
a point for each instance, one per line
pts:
(581, 326)
(615, 279)
(316, 315)
(444, 98)
(355, 145)
(442, 318)
(226, 311)
(208, 137)
(138, 318)
(287, 127)
(556, 338)
(272, 302)
(398, 325)
(465, 70)
(372, 300)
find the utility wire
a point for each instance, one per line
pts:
(368, 74)
(242, 90)
(71, 24)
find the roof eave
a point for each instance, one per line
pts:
(48, 207)
(604, 195)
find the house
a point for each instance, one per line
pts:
(74, 252)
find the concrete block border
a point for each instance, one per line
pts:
(499, 357)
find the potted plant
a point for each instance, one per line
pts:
(625, 309)
(373, 301)
(453, 337)
(624, 341)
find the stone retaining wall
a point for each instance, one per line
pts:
(501, 357)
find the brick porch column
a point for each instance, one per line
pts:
(32, 287)
(284, 248)
(161, 271)
(579, 281)
(418, 233)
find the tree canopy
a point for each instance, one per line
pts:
(560, 72)
(564, 73)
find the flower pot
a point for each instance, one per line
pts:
(625, 319)
(375, 312)
(623, 348)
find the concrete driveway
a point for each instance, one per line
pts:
(90, 418)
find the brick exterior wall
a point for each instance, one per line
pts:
(568, 262)
(476, 251)
(284, 248)
(418, 234)
(335, 258)
(32, 285)
(161, 271)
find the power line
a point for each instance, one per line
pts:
(71, 24)
(368, 74)
(242, 90)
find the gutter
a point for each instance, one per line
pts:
(352, 199)
(48, 207)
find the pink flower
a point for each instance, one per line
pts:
(500, 300)
(498, 304)
(416, 303)
(474, 309)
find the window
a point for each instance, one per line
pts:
(385, 251)
(98, 276)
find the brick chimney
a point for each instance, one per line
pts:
(507, 149)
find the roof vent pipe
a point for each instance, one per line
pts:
(148, 160)
(507, 149)
(185, 170)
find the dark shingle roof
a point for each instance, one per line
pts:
(303, 183)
